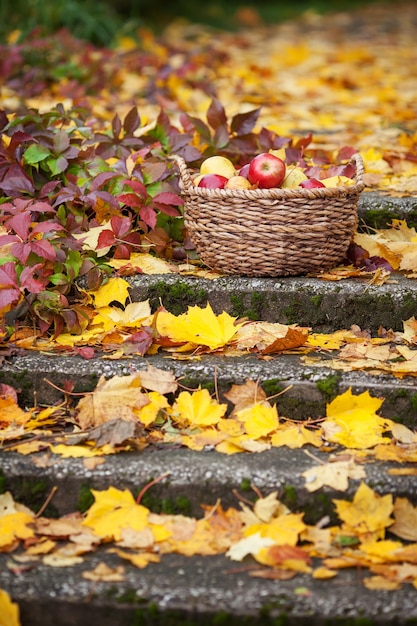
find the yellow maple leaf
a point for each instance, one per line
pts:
(259, 420)
(9, 611)
(198, 326)
(139, 560)
(283, 530)
(115, 290)
(148, 413)
(268, 338)
(15, 519)
(114, 510)
(368, 513)
(15, 526)
(352, 421)
(381, 551)
(79, 451)
(405, 525)
(146, 263)
(117, 398)
(11, 413)
(295, 436)
(197, 409)
(335, 475)
(133, 315)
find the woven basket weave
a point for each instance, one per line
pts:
(271, 232)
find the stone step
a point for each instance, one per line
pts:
(211, 591)
(200, 591)
(377, 209)
(323, 305)
(303, 390)
(195, 590)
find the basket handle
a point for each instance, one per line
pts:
(186, 182)
(357, 160)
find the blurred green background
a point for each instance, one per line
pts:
(100, 21)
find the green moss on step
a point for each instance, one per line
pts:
(253, 310)
(272, 386)
(85, 498)
(289, 496)
(329, 386)
(246, 484)
(180, 505)
(177, 297)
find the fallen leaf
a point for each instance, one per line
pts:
(104, 573)
(335, 475)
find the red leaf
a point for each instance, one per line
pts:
(168, 197)
(106, 239)
(44, 249)
(148, 215)
(136, 186)
(28, 281)
(20, 224)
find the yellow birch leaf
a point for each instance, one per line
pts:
(114, 510)
(368, 512)
(197, 409)
(115, 290)
(198, 326)
(9, 611)
(352, 421)
(259, 419)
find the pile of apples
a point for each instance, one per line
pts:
(264, 171)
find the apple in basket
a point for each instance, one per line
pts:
(266, 170)
(218, 165)
(212, 181)
(311, 183)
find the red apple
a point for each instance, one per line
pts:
(244, 170)
(212, 181)
(266, 170)
(311, 183)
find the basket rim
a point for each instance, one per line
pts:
(188, 188)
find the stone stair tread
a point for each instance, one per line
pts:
(305, 388)
(323, 305)
(200, 591)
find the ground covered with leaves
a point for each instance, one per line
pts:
(90, 195)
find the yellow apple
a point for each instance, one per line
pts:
(218, 165)
(238, 182)
(293, 178)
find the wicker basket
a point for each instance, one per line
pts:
(271, 232)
